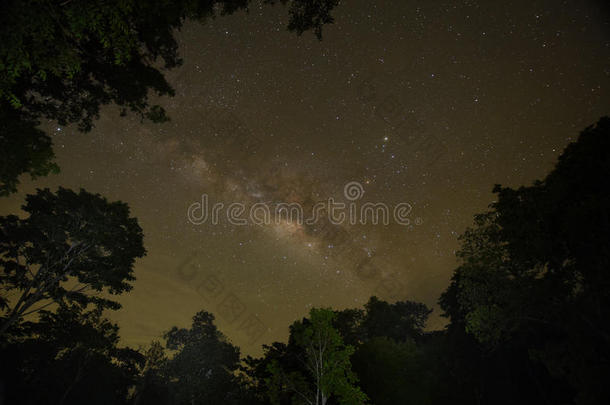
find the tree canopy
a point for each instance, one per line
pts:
(325, 365)
(534, 269)
(70, 247)
(63, 59)
(202, 369)
(527, 311)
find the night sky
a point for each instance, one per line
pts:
(425, 103)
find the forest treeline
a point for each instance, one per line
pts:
(527, 311)
(527, 308)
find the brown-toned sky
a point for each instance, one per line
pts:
(427, 103)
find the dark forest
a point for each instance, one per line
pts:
(185, 222)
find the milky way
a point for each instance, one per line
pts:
(420, 103)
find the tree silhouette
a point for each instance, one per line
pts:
(69, 356)
(71, 247)
(534, 271)
(62, 60)
(392, 372)
(152, 386)
(202, 371)
(326, 364)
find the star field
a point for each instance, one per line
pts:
(420, 102)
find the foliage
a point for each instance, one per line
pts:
(400, 321)
(534, 270)
(63, 59)
(32, 153)
(392, 372)
(68, 357)
(202, 371)
(277, 357)
(308, 14)
(151, 386)
(326, 365)
(69, 248)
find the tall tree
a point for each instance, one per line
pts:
(400, 321)
(152, 387)
(70, 248)
(203, 368)
(24, 148)
(257, 370)
(534, 270)
(68, 356)
(392, 372)
(326, 360)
